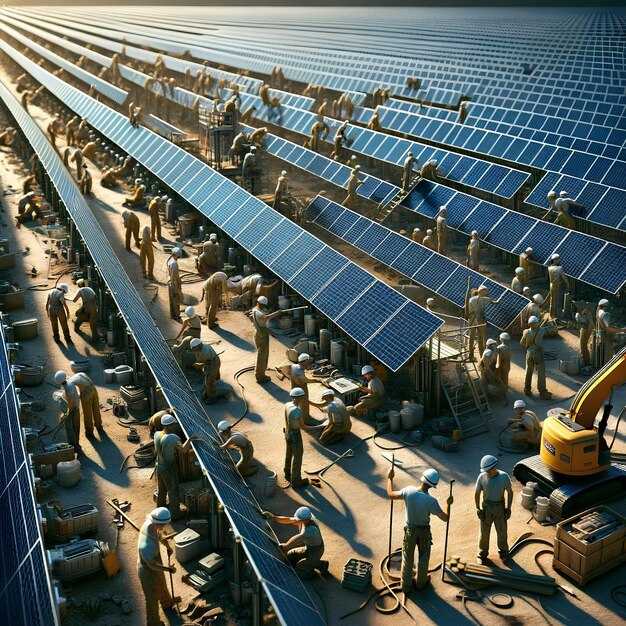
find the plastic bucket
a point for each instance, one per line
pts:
(109, 376)
(336, 353)
(407, 418)
(541, 512)
(123, 374)
(395, 421)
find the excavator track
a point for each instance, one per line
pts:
(570, 495)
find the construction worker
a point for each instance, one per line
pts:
(442, 231)
(339, 423)
(552, 196)
(282, 187)
(493, 484)
(429, 170)
(417, 236)
(192, 325)
(86, 182)
(90, 150)
(242, 444)
(72, 415)
(419, 506)
(298, 378)
(294, 425)
(503, 350)
(353, 184)
(57, 311)
(256, 138)
(526, 291)
(8, 136)
(525, 259)
(407, 171)
(260, 317)
(476, 307)
(89, 401)
(526, 427)
(374, 397)
(150, 566)
(146, 253)
(212, 291)
(77, 159)
(517, 284)
(88, 312)
(584, 319)
(28, 208)
(210, 361)
(306, 549)
(473, 250)
(131, 223)
(174, 284)
(137, 199)
(557, 277)
(532, 342)
(431, 304)
(134, 115)
(250, 172)
(605, 330)
(462, 112)
(488, 374)
(251, 286)
(108, 178)
(429, 240)
(210, 259)
(155, 217)
(374, 123)
(167, 445)
(340, 142)
(532, 308)
(53, 129)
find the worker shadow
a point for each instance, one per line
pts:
(567, 611)
(100, 205)
(104, 456)
(233, 339)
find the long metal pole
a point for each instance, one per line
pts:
(391, 515)
(445, 545)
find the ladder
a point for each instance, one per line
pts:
(383, 211)
(466, 396)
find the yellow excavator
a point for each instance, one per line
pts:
(575, 466)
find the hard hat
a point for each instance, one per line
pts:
(563, 194)
(533, 319)
(177, 252)
(168, 419)
(63, 287)
(253, 149)
(190, 311)
(526, 290)
(488, 462)
(137, 181)
(519, 404)
(558, 203)
(429, 232)
(262, 300)
(603, 302)
(505, 337)
(538, 299)
(430, 477)
(157, 198)
(433, 162)
(303, 357)
(223, 425)
(327, 393)
(160, 516)
(483, 288)
(475, 232)
(442, 208)
(492, 342)
(367, 369)
(409, 154)
(519, 270)
(430, 301)
(303, 513)
(164, 198)
(488, 352)
(283, 173)
(529, 250)
(357, 167)
(297, 392)
(60, 377)
(416, 230)
(555, 257)
(552, 194)
(195, 342)
(213, 236)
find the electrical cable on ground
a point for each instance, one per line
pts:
(243, 395)
(618, 595)
(404, 444)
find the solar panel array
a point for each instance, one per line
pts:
(427, 268)
(282, 585)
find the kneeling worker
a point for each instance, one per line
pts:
(375, 393)
(419, 505)
(242, 444)
(526, 425)
(339, 423)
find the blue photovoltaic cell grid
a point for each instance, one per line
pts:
(296, 256)
(611, 210)
(342, 291)
(482, 218)
(411, 260)
(343, 223)
(242, 217)
(317, 272)
(437, 198)
(371, 238)
(435, 272)
(458, 209)
(271, 246)
(455, 287)
(510, 230)
(543, 239)
(604, 270)
(329, 215)
(579, 252)
(390, 248)
(256, 230)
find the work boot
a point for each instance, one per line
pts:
(528, 392)
(422, 585)
(303, 482)
(262, 381)
(545, 395)
(323, 568)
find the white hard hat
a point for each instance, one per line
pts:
(283, 173)
(526, 290)
(262, 300)
(505, 337)
(483, 288)
(474, 232)
(563, 194)
(164, 198)
(533, 319)
(529, 251)
(519, 270)
(137, 181)
(60, 377)
(296, 392)
(519, 404)
(303, 513)
(177, 252)
(552, 194)
(433, 162)
(160, 516)
(538, 299)
(327, 393)
(168, 419)
(558, 203)
(253, 149)
(416, 230)
(430, 477)
(488, 352)
(357, 167)
(492, 342)
(409, 154)
(190, 311)
(430, 301)
(442, 208)
(603, 302)
(213, 236)
(429, 232)
(303, 357)
(63, 287)
(367, 369)
(223, 425)
(195, 342)
(488, 462)
(555, 257)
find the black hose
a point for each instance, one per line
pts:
(399, 447)
(618, 595)
(243, 395)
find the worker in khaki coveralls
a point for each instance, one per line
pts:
(72, 415)
(88, 312)
(339, 423)
(260, 318)
(131, 223)
(150, 566)
(155, 217)
(212, 291)
(420, 505)
(174, 284)
(57, 311)
(526, 426)
(210, 360)
(89, 401)
(146, 253)
(476, 316)
(493, 483)
(557, 277)
(532, 342)
(374, 397)
(298, 378)
(242, 444)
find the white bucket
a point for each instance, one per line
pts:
(336, 353)
(395, 421)
(527, 498)
(571, 366)
(123, 374)
(270, 484)
(310, 325)
(541, 512)
(109, 376)
(407, 418)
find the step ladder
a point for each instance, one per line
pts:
(383, 211)
(466, 396)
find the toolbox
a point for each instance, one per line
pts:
(346, 390)
(357, 575)
(76, 559)
(211, 563)
(76, 520)
(188, 545)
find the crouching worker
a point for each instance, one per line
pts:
(339, 423)
(242, 444)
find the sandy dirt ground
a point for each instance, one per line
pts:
(352, 508)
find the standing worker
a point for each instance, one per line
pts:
(209, 359)
(353, 184)
(174, 284)
(503, 349)
(419, 506)
(473, 251)
(488, 373)
(86, 182)
(212, 295)
(532, 308)
(299, 379)
(88, 312)
(442, 231)
(476, 308)
(150, 566)
(526, 426)
(167, 445)
(250, 172)
(57, 311)
(146, 253)
(155, 217)
(605, 330)
(89, 401)
(260, 318)
(70, 131)
(77, 159)
(282, 187)
(492, 484)
(532, 342)
(557, 276)
(525, 262)
(209, 260)
(306, 549)
(242, 444)
(131, 223)
(407, 171)
(294, 425)
(339, 423)
(374, 397)
(584, 319)
(72, 416)
(517, 284)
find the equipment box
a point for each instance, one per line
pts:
(77, 520)
(53, 455)
(77, 559)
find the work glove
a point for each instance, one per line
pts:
(450, 500)
(481, 514)
(507, 513)
(172, 569)
(390, 474)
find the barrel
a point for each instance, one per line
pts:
(407, 419)
(336, 353)
(123, 374)
(324, 343)
(310, 324)
(395, 421)
(109, 376)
